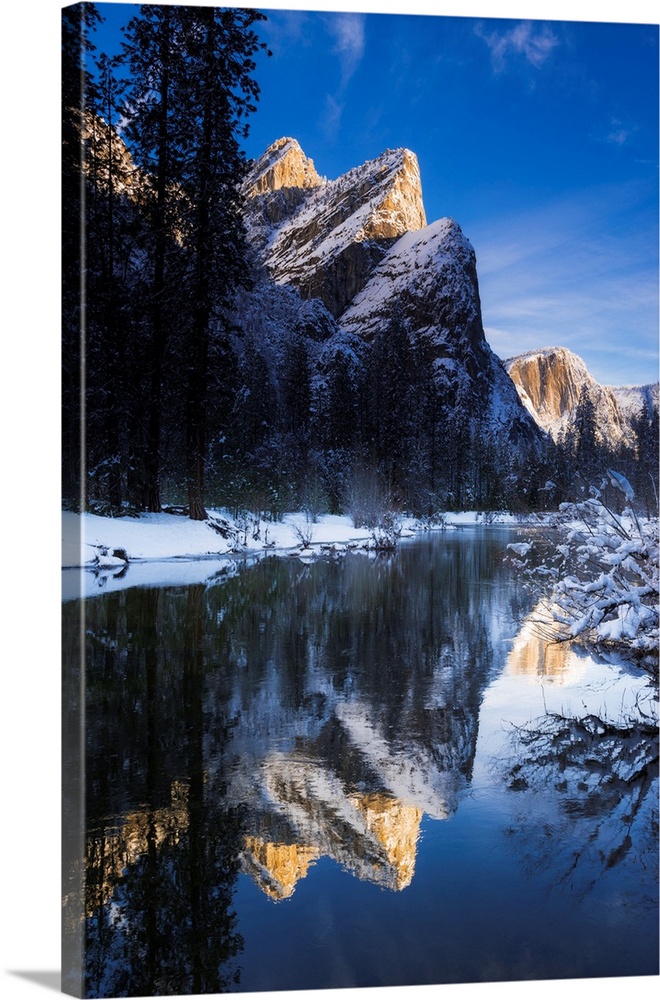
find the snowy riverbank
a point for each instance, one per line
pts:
(102, 554)
(89, 540)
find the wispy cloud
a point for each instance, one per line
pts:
(331, 117)
(347, 37)
(581, 273)
(347, 31)
(534, 43)
(618, 135)
(288, 29)
(614, 132)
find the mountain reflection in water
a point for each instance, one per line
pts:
(271, 722)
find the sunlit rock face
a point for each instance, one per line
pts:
(283, 165)
(277, 184)
(395, 826)
(326, 236)
(371, 834)
(534, 655)
(111, 850)
(108, 160)
(384, 844)
(277, 868)
(551, 382)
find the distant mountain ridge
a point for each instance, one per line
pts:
(554, 382)
(633, 398)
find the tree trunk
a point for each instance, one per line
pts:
(199, 345)
(152, 497)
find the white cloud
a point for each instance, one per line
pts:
(347, 30)
(619, 134)
(581, 273)
(533, 42)
(347, 36)
(331, 118)
(618, 137)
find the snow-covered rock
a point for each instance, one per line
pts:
(429, 279)
(360, 246)
(633, 398)
(327, 235)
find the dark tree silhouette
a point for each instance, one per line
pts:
(192, 90)
(78, 23)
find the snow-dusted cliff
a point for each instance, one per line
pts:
(360, 244)
(632, 399)
(553, 381)
(324, 236)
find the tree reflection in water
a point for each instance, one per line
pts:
(160, 882)
(593, 783)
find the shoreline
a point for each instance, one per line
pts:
(91, 541)
(102, 554)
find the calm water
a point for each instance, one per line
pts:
(360, 773)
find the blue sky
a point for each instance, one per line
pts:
(539, 137)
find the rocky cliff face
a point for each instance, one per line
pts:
(428, 278)
(282, 166)
(326, 236)
(551, 382)
(277, 185)
(360, 244)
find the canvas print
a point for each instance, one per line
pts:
(360, 499)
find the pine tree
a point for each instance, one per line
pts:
(390, 402)
(295, 385)
(192, 91)
(108, 225)
(644, 476)
(78, 23)
(220, 44)
(152, 132)
(255, 404)
(337, 408)
(585, 449)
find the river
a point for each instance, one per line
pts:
(362, 772)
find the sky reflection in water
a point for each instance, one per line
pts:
(332, 775)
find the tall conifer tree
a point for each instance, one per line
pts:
(192, 92)
(78, 23)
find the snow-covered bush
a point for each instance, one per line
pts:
(605, 572)
(438, 519)
(385, 535)
(369, 499)
(304, 531)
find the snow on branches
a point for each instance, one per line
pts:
(605, 575)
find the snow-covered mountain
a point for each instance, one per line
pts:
(633, 398)
(326, 236)
(361, 245)
(428, 278)
(551, 383)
